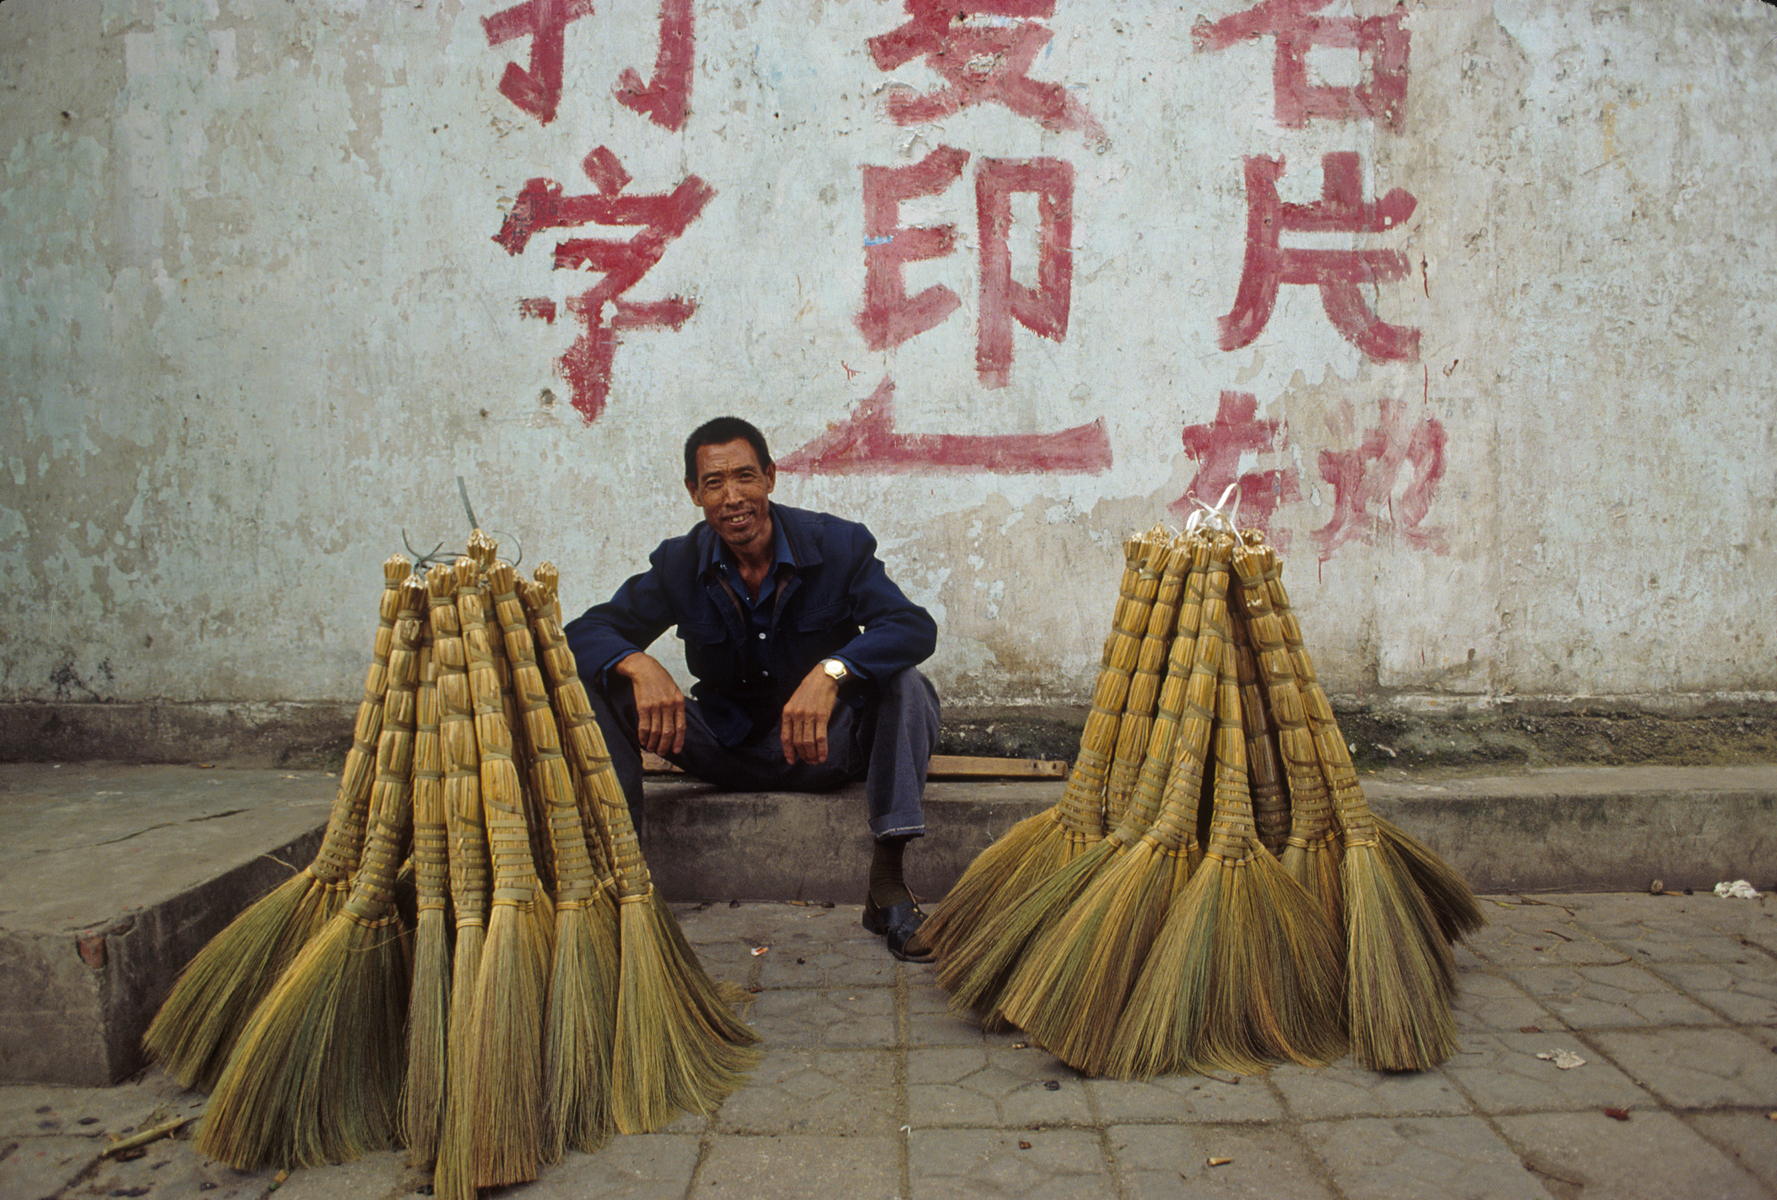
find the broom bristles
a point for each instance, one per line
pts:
(452, 1178)
(1307, 964)
(201, 1019)
(1026, 853)
(1085, 967)
(317, 1073)
(428, 1038)
(1170, 1000)
(1452, 901)
(506, 1071)
(1399, 973)
(666, 1059)
(581, 1030)
(976, 972)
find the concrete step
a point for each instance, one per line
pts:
(113, 876)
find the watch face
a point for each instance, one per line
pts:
(835, 669)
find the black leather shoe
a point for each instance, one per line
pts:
(897, 923)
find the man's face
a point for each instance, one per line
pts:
(731, 489)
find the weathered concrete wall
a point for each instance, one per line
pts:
(1513, 426)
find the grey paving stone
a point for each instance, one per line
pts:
(1543, 942)
(1696, 1068)
(795, 1167)
(1749, 1138)
(113, 1111)
(1502, 1073)
(1345, 1089)
(810, 962)
(1184, 1098)
(31, 1167)
(847, 1092)
(931, 1022)
(1038, 1164)
(1166, 1161)
(1651, 1156)
(1412, 1158)
(650, 1166)
(1619, 994)
(1489, 1000)
(1743, 989)
(992, 1085)
(825, 1018)
(383, 1174)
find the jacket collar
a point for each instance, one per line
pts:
(787, 530)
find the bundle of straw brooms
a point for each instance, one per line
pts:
(536, 996)
(1212, 891)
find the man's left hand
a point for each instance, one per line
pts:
(804, 730)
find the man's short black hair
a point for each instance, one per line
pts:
(719, 432)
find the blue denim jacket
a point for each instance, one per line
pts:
(838, 601)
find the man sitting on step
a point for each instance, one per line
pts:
(804, 653)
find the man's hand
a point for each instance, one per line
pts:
(804, 731)
(660, 705)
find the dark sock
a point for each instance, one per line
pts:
(887, 888)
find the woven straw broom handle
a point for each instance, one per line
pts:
(344, 840)
(470, 871)
(575, 880)
(587, 746)
(502, 799)
(373, 888)
(1175, 826)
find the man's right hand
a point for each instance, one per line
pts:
(660, 705)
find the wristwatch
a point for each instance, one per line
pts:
(835, 670)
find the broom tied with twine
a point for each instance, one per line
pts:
(1037, 846)
(677, 1046)
(581, 1012)
(428, 1006)
(1084, 966)
(201, 1019)
(978, 971)
(316, 1076)
(504, 1073)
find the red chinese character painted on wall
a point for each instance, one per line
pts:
(868, 443)
(1381, 42)
(663, 99)
(1043, 309)
(537, 90)
(1384, 486)
(890, 316)
(984, 50)
(662, 218)
(1216, 449)
(1339, 274)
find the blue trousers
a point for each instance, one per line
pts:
(887, 741)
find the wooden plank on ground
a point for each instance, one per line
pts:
(944, 766)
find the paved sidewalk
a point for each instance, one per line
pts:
(869, 1087)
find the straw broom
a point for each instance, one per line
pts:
(504, 1074)
(1245, 971)
(1400, 974)
(316, 1077)
(202, 1017)
(579, 1030)
(1144, 686)
(677, 1046)
(1311, 853)
(1451, 900)
(1271, 806)
(428, 1006)
(470, 869)
(1037, 846)
(977, 972)
(1070, 986)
